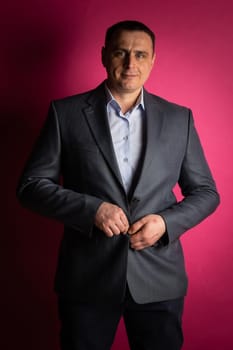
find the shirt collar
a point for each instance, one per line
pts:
(110, 98)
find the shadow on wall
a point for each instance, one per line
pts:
(34, 41)
(34, 47)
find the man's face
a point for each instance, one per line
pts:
(128, 60)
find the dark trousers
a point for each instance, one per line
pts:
(153, 326)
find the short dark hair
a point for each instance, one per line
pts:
(130, 26)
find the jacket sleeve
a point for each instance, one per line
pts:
(40, 189)
(197, 186)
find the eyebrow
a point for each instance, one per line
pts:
(126, 50)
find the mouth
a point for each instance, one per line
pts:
(129, 75)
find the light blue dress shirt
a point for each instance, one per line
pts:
(127, 136)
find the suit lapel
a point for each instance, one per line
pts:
(154, 124)
(96, 117)
(97, 120)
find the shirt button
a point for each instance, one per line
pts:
(125, 138)
(125, 160)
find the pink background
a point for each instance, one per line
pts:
(51, 48)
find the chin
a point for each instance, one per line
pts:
(131, 88)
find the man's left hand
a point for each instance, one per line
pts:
(146, 231)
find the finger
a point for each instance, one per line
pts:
(121, 222)
(115, 229)
(108, 232)
(118, 224)
(124, 227)
(124, 220)
(145, 237)
(136, 227)
(136, 237)
(111, 229)
(138, 245)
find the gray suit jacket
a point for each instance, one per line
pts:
(75, 144)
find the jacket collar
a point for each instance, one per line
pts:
(97, 119)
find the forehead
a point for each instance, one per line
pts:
(137, 39)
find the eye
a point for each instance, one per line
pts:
(119, 53)
(140, 55)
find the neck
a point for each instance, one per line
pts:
(126, 100)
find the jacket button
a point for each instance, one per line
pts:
(135, 200)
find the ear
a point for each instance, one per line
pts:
(153, 59)
(103, 56)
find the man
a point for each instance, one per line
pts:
(120, 152)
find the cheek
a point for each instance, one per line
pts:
(116, 71)
(112, 70)
(146, 70)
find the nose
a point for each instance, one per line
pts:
(129, 60)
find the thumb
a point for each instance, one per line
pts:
(136, 226)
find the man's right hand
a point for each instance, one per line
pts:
(111, 219)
